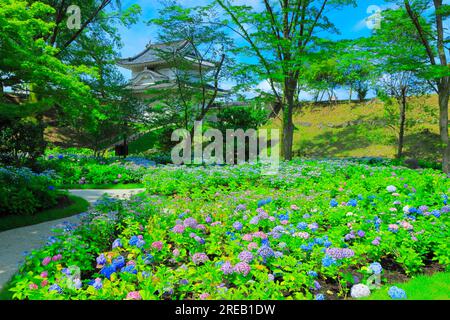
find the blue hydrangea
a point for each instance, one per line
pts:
(333, 203)
(396, 293)
(107, 271)
(119, 262)
(129, 269)
(101, 259)
(376, 267)
(302, 225)
(352, 203)
(436, 213)
(133, 240)
(312, 274)
(320, 297)
(55, 287)
(265, 252)
(148, 259)
(328, 261)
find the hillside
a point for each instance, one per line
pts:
(360, 129)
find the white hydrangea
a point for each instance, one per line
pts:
(360, 291)
(406, 209)
(391, 189)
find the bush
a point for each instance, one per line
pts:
(23, 192)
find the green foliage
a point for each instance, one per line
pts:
(23, 192)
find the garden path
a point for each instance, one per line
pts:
(16, 243)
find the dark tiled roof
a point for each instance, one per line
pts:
(153, 52)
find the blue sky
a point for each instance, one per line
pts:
(350, 21)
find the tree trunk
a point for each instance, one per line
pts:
(350, 95)
(444, 92)
(288, 126)
(401, 135)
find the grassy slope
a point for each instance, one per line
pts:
(315, 137)
(78, 205)
(434, 287)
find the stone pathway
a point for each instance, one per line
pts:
(16, 243)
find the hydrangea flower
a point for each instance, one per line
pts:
(245, 256)
(302, 225)
(376, 241)
(396, 293)
(227, 268)
(338, 253)
(328, 261)
(376, 267)
(265, 252)
(129, 269)
(319, 296)
(101, 260)
(190, 222)
(204, 296)
(333, 203)
(237, 225)
(117, 244)
(107, 271)
(134, 295)
(55, 287)
(241, 207)
(178, 228)
(361, 233)
(242, 268)
(97, 284)
(360, 291)
(119, 262)
(312, 274)
(199, 258)
(46, 261)
(157, 245)
(393, 228)
(391, 189)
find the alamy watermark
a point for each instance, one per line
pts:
(374, 20)
(74, 19)
(237, 147)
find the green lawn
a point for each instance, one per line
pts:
(78, 205)
(103, 186)
(434, 287)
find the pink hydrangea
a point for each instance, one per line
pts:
(134, 295)
(157, 245)
(303, 235)
(294, 207)
(406, 225)
(247, 237)
(242, 268)
(46, 261)
(44, 283)
(178, 228)
(33, 286)
(284, 222)
(44, 274)
(216, 223)
(176, 252)
(252, 246)
(57, 257)
(260, 234)
(204, 296)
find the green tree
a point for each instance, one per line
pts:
(427, 17)
(398, 62)
(281, 36)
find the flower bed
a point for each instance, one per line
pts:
(24, 192)
(318, 230)
(80, 169)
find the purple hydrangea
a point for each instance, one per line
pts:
(237, 226)
(227, 268)
(265, 252)
(190, 222)
(338, 253)
(245, 256)
(199, 258)
(242, 268)
(178, 228)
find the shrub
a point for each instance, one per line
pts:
(23, 192)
